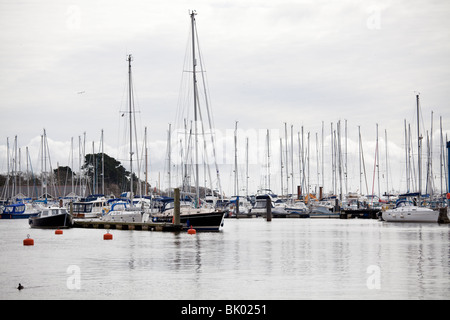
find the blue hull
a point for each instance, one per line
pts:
(17, 215)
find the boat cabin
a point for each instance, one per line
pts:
(52, 211)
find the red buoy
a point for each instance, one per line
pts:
(107, 236)
(58, 231)
(192, 230)
(28, 241)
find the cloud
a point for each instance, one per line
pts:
(267, 63)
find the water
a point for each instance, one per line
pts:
(249, 259)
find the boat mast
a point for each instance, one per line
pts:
(236, 178)
(194, 78)
(129, 59)
(419, 142)
(146, 163)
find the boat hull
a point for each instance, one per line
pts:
(210, 221)
(362, 213)
(63, 220)
(18, 215)
(419, 215)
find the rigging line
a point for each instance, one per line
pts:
(205, 81)
(364, 165)
(183, 93)
(205, 153)
(135, 138)
(374, 171)
(208, 109)
(35, 192)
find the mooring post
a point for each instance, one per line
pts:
(268, 209)
(176, 211)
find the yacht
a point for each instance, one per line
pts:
(93, 207)
(407, 211)
(201, 219)
(245, 207)
(297, 209)
(124, 212)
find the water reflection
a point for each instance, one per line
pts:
(249, 259)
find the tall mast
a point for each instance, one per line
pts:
(246, 167)
(103, 166)
(146, 163)
(236, 178)
(286, 161)
(419, 142)
(194, 77)
(281, 165)
(268, 159)
(129, 59)
(387, 164)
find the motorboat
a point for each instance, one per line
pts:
(124, 212)
(93, 207)
(297, 209)
(19, 211)
(245, 207)
(260, 207)
(52, 217)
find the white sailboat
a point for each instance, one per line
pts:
(407, 210)
(128, 212)
(192, 213)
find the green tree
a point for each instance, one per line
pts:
(115, 176)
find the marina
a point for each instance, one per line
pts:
(322, 178)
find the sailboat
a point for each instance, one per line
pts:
(193, 213)
(128, 213)
(407, 210)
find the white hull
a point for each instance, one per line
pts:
(410, 214)
(125, 216)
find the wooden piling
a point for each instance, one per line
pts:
(176, 211)
(268, 209)
(443, 217)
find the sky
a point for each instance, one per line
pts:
(64, 69)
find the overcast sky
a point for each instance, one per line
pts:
(63, 68)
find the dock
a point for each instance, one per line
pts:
(144, 226)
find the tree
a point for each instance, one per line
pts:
(116, 178)
(63, 175)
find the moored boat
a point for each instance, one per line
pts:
(92, 207)
(201, 219)
(124, 212)
(407, 211)
(52, 217)
(19, 211)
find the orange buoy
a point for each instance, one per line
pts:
(58, 231)
(107, 236)
(192, 230)
(28, 241)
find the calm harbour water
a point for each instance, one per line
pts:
(249, 259)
